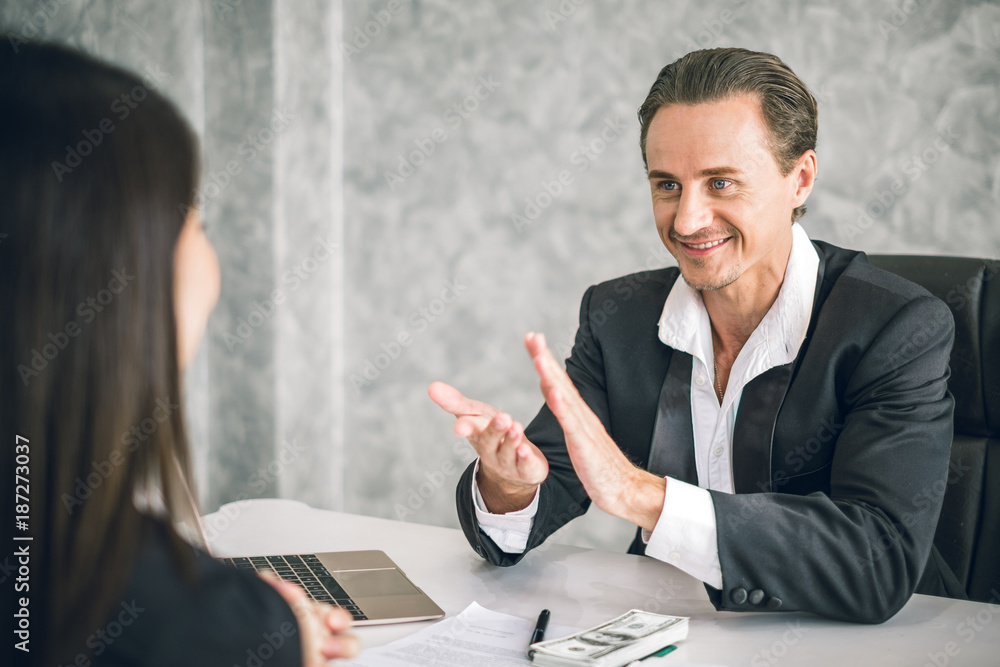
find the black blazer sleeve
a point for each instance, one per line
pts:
(857, 552)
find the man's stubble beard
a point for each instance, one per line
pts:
(729, 278)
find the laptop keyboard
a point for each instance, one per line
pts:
(308, 572)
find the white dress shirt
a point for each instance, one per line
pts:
(685, 534)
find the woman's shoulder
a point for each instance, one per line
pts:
(185, 607)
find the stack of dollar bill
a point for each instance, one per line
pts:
(631, 636)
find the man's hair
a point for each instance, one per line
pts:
(712, 75)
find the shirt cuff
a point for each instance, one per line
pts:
(686, 534)
(509, 531)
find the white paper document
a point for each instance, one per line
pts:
(477, 636)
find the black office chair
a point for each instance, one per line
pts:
(968, 532)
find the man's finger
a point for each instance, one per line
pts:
(556, 383)
(545, 363)
(531, 463)
(490, 442)
(516, 453)
(561, 395)
(452, 400)
(509, 435)
(470, 426)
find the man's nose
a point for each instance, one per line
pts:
(693, 214)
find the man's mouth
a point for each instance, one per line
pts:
(705, 246)
(700, 248)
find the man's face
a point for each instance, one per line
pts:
(722, 207)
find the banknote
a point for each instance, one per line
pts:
(632, 635)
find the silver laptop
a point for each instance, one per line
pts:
(366, 583)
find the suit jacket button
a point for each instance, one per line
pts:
(756, 596)
(738, 595)
(774, 603)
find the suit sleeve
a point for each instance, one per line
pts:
(858, 553)
(562, 496)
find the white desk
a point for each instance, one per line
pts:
(583, 587)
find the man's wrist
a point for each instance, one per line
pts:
(645, 500)
(502, 497)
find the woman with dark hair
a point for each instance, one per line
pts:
(108, 282)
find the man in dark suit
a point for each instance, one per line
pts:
(776, 423)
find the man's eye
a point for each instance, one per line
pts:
(720, 183)
(670, 186)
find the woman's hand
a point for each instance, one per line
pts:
(323, 627)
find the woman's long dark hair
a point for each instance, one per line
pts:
(97, 171)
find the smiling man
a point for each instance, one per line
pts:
(772, 414)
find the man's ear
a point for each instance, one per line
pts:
(804, 177)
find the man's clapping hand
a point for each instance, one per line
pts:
(510, 467)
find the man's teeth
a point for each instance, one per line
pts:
(703, 246)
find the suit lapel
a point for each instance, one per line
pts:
(672, 449)
(754, 429)
(753, 433)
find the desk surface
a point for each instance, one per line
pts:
(583, 587)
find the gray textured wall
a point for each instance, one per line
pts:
(410, 134)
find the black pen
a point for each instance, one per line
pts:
(538, 634)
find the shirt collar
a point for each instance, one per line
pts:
(684, 323)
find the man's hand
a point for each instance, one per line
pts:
(322, 627)
(613, 483)
(510, 467)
